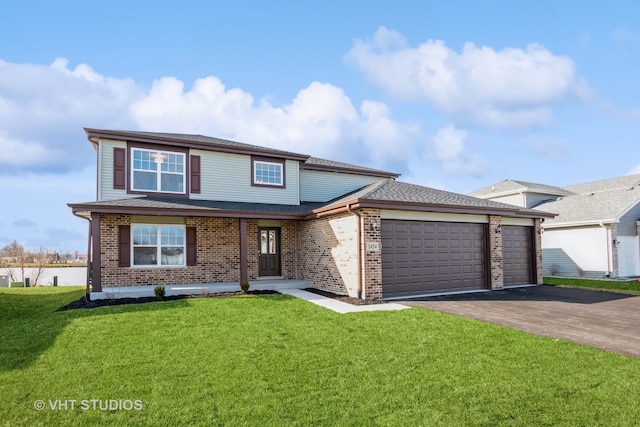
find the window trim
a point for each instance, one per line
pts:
(269, 160)
(186, 173)
(158, 246)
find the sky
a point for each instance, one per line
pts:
(454, 95)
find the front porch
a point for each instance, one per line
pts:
(117, 292)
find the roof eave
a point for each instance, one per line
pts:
(424, 207)
(354, 171)
(78, 209)
(94, 134)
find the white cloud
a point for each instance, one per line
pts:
(43, 109)
(448, 149)
(511, 88)
(635, 170)
(321, 120)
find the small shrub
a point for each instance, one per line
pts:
(205, 292)
(244, 286)
(554, 269)
(580, 272)
(159, 291)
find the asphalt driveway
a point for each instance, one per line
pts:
(605, 320)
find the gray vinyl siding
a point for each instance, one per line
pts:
(227, 177)
(513, 199)
(627, 225)
(320, 186)
(105, 171)
(534, 199)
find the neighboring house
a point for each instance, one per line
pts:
(595, 232)
(190, 210)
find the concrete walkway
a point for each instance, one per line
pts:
(339, 306)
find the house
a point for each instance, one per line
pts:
(595, 232)
(190, 210)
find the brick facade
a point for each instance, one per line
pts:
(327, 253)
(372, 251)
(217, 252)
(495, 253)
(322, 251)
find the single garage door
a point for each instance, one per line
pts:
(517, 254)
(420, 257)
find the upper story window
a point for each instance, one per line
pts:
(157, 171)
(268, 173)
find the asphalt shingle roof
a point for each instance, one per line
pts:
(395, 191)
(601, 205)
(509, 185)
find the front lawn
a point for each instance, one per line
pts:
(275, 360)
(627, 286)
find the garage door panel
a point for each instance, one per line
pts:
(517, 254)
(442, 257)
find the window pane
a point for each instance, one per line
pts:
(264, 245)
(145, 181)
(172, 163)
(145, 256)
(268, 173)
(144, 160)
(172, 256)
(171, 182)
(145, 235)
(172, 235)
(272, 241)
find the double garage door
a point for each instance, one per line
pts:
(428, 257)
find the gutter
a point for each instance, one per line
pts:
(359, 250)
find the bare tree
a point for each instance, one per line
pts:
(15, 260)
(40, 260)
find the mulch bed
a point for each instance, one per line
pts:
(344, 298)
(83, 303)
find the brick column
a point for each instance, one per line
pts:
(538, 250)
(371, 251)
(614, 251)
(495, 251)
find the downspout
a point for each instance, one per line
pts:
(608, 243)
(359, 250)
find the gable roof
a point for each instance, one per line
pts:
(511, 186)
(217, 144)
(600, 201)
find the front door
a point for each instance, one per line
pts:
(269, 251)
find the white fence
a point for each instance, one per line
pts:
(67, 276)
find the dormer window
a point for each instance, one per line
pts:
(157, 171)
(267, 172)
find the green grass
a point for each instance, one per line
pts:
(275, 361)
(628, 286)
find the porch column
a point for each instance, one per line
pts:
(243, 249)
(96, 259)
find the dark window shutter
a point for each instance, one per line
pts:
(192, 247)
(124, 246)
(119, 168)
(195, 174)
